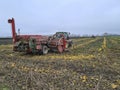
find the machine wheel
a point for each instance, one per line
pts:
(60, 49)
(44, 49)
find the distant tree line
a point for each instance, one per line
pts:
(91, 36)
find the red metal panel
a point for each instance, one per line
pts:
(13, 29)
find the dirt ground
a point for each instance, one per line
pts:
(91, 64)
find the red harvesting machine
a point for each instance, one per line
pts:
(40, 44)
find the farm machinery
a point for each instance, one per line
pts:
(59, 42)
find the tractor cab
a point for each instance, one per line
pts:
(62, 34)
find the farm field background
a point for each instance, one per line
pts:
(91, 64)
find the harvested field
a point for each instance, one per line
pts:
(91, 64)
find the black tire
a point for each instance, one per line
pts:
(70, 44)
(44, 49)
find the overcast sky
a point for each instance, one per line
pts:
(48, 16)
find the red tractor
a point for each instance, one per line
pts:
(38, 43)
